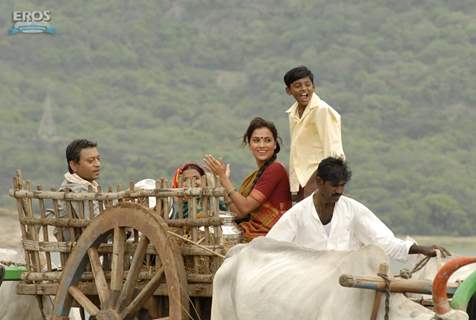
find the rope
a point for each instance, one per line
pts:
(407, 274)
(196, 244)
(385, 278)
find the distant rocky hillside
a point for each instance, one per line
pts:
(157, 83)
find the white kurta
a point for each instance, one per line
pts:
(352, 226)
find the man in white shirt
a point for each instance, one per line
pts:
(327, 220)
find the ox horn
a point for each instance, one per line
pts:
(440, 299)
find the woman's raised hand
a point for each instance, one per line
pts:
(217, 167)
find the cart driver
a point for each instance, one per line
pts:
(328, 220)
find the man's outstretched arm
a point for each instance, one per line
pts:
(429, 251)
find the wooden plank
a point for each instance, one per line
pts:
(84, 301)
(55, 276)
(80, 223)
(88, 288)
(57, 222)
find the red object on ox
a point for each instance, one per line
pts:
(440, 299)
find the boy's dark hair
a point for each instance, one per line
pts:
(334, 170)
(73, 150)
(296, 74)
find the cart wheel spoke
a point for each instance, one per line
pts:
(117, 266)
(144, 294)
(83, 300)
(99, 278)
(132, 275)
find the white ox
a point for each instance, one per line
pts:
(24, 307)
(13, 306)
(270, 280)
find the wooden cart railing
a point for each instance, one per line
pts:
(53, 225)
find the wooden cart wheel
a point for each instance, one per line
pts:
(119, 297)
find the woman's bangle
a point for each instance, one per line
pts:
(230, 192)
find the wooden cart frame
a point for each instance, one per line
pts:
(112, 262)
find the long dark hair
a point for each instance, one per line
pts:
(258, 123)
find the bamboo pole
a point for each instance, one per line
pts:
(91, 205)
(162, 193)
(101, 200)
(17, 185)
(32, 229)
(69, 213)
(167, 208)
(206, 213)
(109, 203)
(396, 284)
(60, 229)
(41, 205)
(383, 269)
(158, 201)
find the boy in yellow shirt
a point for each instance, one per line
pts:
(315, 129)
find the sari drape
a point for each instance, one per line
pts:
(261, 218)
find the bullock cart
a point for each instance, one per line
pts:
(126, 258)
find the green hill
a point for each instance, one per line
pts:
(157, 83)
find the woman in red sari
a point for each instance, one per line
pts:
(265, 194)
